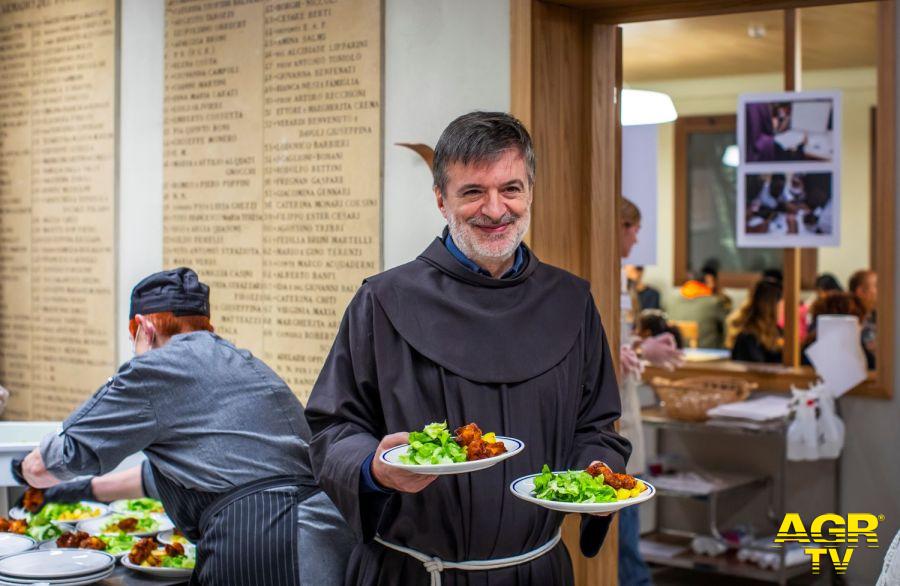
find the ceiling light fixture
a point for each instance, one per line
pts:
(646, 107)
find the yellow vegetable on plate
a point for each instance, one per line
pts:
(622, 494)
(78, 514)
(638, 489)
(489, 437)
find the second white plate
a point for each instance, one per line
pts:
(524, 489)
(392, 458)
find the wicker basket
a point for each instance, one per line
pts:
(690, 398)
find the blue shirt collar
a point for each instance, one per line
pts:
(467, 262)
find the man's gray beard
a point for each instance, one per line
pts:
(461, 234)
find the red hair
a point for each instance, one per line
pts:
(167, 324)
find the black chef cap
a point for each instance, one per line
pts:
(179, 291)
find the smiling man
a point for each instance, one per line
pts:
(476, 329)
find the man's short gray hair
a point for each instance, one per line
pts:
(480, 137)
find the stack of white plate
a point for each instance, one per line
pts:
(58, 567)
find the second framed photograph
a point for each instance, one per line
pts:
(793, 209)
(791, 127)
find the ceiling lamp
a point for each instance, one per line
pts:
(645, 107)
(732, 156)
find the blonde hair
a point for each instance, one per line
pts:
(629, 214)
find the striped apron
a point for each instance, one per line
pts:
(246, 536)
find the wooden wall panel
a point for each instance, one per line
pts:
(560, 133)
(57, 203)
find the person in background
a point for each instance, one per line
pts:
(759, 339)
(647, 297)
(696, 302)
(225, 438)
(864, 284)
(653, 322)
(837, 303)
(710, 274)
(660, 350)
(827, 283)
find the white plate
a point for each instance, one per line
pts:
(54, 564)
(121, 506)
(392, 458)
(157, 571)
(51, 544)
(78, 581)
(166, 537)
(524, 489)
(95, 526)
(17, 513)
(11, 543)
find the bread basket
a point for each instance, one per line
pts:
(690, 398)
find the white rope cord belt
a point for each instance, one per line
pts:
(435, 565)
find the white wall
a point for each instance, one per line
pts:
(140, 236)
(443, 58)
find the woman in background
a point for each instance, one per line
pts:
(759, 339)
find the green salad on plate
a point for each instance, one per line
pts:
(573, 486)
(433, 445)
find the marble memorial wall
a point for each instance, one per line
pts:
(272, 166)
(57, 202)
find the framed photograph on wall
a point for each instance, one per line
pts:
(789, 173)
(791, 209)
(789, 127)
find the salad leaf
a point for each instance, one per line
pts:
(178, 561)
(433, 445)
(144, 505)
(43, 532)
(574, 486)
(116, 544)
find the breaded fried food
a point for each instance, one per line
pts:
(33, 500)
(174, 549)
(127, 524)
(611, 478)
(71, 539)
(4, 524)
(19, 526)
(92, 543)
(467, 434)
(142, 550)
(477, 445)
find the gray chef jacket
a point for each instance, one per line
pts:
(208, 415)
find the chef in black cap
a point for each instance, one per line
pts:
(225, 438)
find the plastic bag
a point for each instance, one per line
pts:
(803, 432)
(831, 428)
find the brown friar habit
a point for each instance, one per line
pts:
(434, 341)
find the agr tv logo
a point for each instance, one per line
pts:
(827, 533)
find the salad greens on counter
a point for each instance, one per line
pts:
(433, 445)
(574, 486)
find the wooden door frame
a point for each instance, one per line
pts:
(557, 93)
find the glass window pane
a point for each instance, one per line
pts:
(712, 196)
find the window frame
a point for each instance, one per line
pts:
(685, 126)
